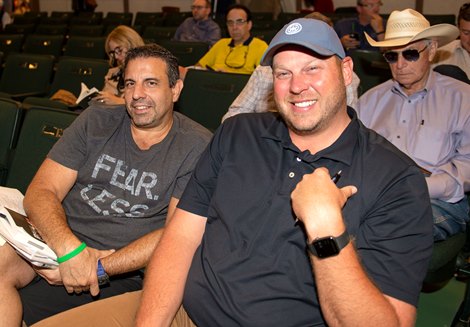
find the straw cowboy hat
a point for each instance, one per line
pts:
(406, 26)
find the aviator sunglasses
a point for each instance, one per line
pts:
(409, 55)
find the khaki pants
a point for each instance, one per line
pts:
(116, 311)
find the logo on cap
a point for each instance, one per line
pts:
(293, 28)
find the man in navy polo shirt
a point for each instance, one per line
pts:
(263, 237)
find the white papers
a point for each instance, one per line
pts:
(12, 198)
(86, 92)
(19, 233)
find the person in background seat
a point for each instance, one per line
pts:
(200, 27)
(119, 41)
(351, 30)
(241, 53)
(457, 52)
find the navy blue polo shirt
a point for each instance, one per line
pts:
(351, 25)
(252, 268)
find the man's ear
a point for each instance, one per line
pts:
(176, 90)
(347, 69)
(432, 50)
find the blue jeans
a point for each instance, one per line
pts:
(449, 218)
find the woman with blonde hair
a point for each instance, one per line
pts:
(119, 41)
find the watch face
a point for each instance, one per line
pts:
(326, 247)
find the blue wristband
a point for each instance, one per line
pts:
(103, 277)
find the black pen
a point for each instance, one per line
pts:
(336, 177)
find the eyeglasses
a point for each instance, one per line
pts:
(371, 5)
(116, 52)
(409, 55)
(238, 22)
(198, 7)
(233, 61)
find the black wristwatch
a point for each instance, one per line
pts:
(328, 246)
(103, 277)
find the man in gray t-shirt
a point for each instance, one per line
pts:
(101, 198)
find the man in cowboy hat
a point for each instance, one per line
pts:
(425, 114)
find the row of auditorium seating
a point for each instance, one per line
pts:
(28, 132)
(111, 18)
(55, 45)
(174, 18)
(153, 26)
(29, 76)
(148, 32)
(188, 53)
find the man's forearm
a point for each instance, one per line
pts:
(133, 256)
(167, 271)
(346, 292)
(43, 205)
(443, 186)
(47, 215)
(136, 255)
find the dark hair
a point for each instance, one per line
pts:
(242, 7)
(155, 51)
(310, 3)
(464, 12)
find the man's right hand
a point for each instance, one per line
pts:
(348, 42)
(78, 274)
(376, 21)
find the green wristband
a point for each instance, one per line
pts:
(72, 254)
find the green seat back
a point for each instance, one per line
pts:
(71, 72)
(156, 34)
(27, 73)
(188, 53)
(11, 43)
(371, 68)
(41, 128)
(10, 114)
(85, 47)
(44, 44)
(207, 95)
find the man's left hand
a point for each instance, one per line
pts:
(79, 273)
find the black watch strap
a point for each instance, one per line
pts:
(328, 246)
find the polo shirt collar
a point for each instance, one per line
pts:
(246, 43)
(341, 150)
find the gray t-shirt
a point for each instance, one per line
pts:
(121, 192)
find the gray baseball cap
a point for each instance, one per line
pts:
(310, 33)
